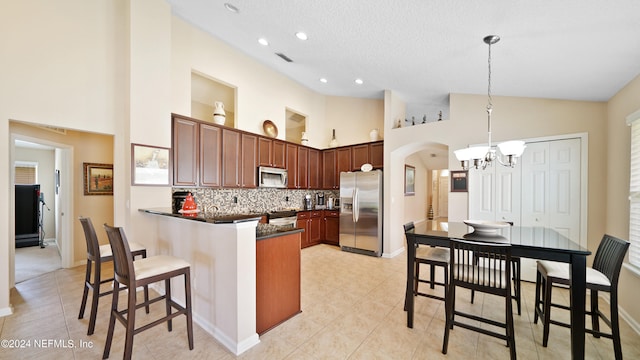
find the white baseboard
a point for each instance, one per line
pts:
(6, 311)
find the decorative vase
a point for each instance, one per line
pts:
(219, 116)
(430, 213)
(373, 135)
(304, 140)
(333, 142)
(189, 207)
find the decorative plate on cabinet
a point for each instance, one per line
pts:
(270, 128)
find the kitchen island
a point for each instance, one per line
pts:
(222, 251)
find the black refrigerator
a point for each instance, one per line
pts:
(27, 215)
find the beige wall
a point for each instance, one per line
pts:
(415, 206)
(625, 102)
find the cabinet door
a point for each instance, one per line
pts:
(265, 152)
(279, 153)
(210, 155)
(329, 169)
(292, 166)
(185, 152)
(332, 227)
(249, 161)
(231, 161)
(376, 155)
(343, 161)
(314, 169)
(315, 228)
(359, 156)
(303, 167)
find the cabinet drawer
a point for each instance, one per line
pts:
(333, 213)
(316, 214)
(303, 215)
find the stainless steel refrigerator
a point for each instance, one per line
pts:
(361, 212)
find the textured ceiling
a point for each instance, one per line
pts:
(424, 50)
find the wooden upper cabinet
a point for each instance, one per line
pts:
(359, 156)
(185, 152)
(376, 154)
(329, 169)
(343, 161)
(265, 152)
(292, 165)
(231, 160)
(315, 182)
(303, 168)
(279, 154)
(210, 155)
(249, 161)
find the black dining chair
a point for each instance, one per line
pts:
(97, 255)
(601, 276)
(143, 272)
(490, 276)
(434, 257)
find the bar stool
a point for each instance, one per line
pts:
(432, 256)
(602, 276)
(98, 254)
(143, 272)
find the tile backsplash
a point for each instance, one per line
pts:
(242, 201)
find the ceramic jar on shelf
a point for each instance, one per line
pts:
(219, 116)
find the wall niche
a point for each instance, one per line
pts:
(296, 125)
(205, 91)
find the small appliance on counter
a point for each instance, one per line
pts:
(320, 201)
(307, 202)
(333, 203)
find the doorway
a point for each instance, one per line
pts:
(55, 229)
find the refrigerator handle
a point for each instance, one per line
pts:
(356, 205)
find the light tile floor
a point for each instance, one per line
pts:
(352, 308)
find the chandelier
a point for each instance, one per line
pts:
(482, 156)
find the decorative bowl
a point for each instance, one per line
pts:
(486, 227)
(270, 128)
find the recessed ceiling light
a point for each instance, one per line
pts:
(231, 8)
(263, 41)
(302, 36)
(359, 81)
(323, 80)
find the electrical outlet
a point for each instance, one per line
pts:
(286, 198)
(235, 199)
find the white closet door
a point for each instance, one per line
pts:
(481, 194)
(551, 191)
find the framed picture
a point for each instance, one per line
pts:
(98, 179)
(150, 165)
(409, 180)
(459, 181)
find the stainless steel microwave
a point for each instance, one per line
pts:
(269, 177)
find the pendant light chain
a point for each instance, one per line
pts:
(490, 103)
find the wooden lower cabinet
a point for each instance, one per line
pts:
(311, 222)
(277, 280)
(331, 226)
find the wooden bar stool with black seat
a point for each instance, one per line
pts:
(491, 276)
(98, 254)
(601, 276)
(134, 274)
(432, 256)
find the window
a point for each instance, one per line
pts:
(26, 173)
(634, 190)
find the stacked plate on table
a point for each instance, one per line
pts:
(483, 227)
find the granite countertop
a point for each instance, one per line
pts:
(263, 231)
(215, 219)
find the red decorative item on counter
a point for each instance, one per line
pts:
(189, 207)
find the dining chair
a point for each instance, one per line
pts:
(601, 276)
(434, 257)
(491, 276)
(143, 272)
(97, 255)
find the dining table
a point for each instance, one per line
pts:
(540, 243)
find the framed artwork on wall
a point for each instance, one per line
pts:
(98, 179)
(409, 180)
(459, 181)
(150, 165)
